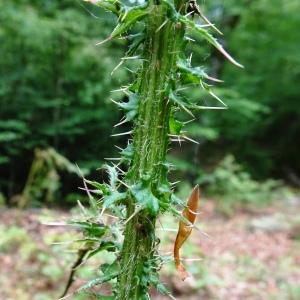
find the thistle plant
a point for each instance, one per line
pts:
(138, 189)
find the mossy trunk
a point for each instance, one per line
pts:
(150, 142)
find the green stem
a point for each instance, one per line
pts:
(150, 146)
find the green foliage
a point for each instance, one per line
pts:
(232, 185)
(261, 122)
(143, 195)
(43, 180)
(268, 34)
(54, 89)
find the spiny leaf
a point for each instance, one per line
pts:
(104, 245)
(144, 196)
(97, 281)
(172, 13)
(90, 229)
(189, 107)
(130, 107)
(208, 37)
(176, 201)
(113, 176)
(113, 198)
(192, 75)
(128, 18)
(136, 41)
(112, 268)
(175, 126)
(111, 5)
(127, 153)
(102, 187)
(154, 280)
(183, 103)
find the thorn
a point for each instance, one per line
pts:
(188, 111)
(190, 39)
(130, 57)
(114, 101)
(174, 183)
(191, 140)
(190, 58)
(84, 183)
(112, 158)
(167, 229)
(104, 41)
(126, 185)
(179, 141)
(214, 79)
(209, 23)
(102, 212)
(111, 216)
(125, 120)
(82, 208)
(119, 148)
(117, 67)
(66, 297)
(116, 166)
(176, 140)
(135, 213)
(188, 14)
(91, 191)
(123, 133)
(124, 90)
(228, 56)
(187, 122)
(131, 71)
(212, 107)
(217, 98)
(161, 26)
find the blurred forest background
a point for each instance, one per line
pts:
(55, 107)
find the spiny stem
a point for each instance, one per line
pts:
(150, 143)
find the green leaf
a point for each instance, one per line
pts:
(104, 245)
(113, 198)
(102, 187)
(111, 5)
(176, 201)
(175, 126)
(113, 176)
(136, 41)
(110, 268)
(127, 153)
(209, 38)
(97, 281)
(191, 75)
(144, 196)
(181, 102)
(129, 18)
(131, 107)
(154, 280)
(90, 229)
(173, 15)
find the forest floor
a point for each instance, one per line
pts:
(253, 255)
